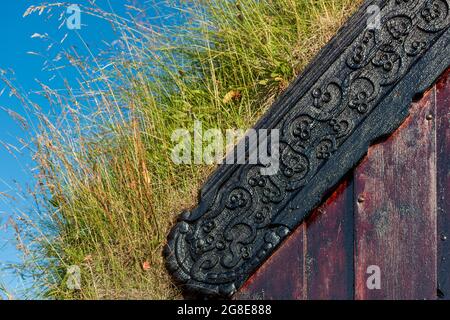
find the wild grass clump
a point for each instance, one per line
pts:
(107, 190)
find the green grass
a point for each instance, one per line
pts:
(107, 191)
(3, 291)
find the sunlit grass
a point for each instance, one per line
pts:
(107, 191)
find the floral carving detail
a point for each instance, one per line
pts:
(399, 27)
(294, 164)
(358, 101)
(208, 226)
(237, 199)
(257, 181)
(431, 12)
(416, 47)
(209, 239)
(324, 149)
(271, 194)
(199, 246)
(245, 252)
(385, 60)
(340, 127)
(388, 61)
(361, 50)
(358, 54)
(301, 128)
(320, 98)
(220, 245)
(261, 215)
(434, 15)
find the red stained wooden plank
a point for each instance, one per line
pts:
(329, 259)
(443, 183)
(281, 276)
(315, 262)
(395, 215)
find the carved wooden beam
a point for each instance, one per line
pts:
(357, 89)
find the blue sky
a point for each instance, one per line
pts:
(24, 69)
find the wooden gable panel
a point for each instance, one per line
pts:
(395, 217)
(442, 90)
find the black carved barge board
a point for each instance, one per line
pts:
(355, 91)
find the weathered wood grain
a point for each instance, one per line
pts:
(282, 276)
(443, 183)
(395, 215)
(329, 255)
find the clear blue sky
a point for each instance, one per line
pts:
(15, 43)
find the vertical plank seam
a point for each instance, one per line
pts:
(355, 245)
(436, 210)
(442, 99)
(304, 262)
(350, 254)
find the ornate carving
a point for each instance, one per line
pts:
(324, 131)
